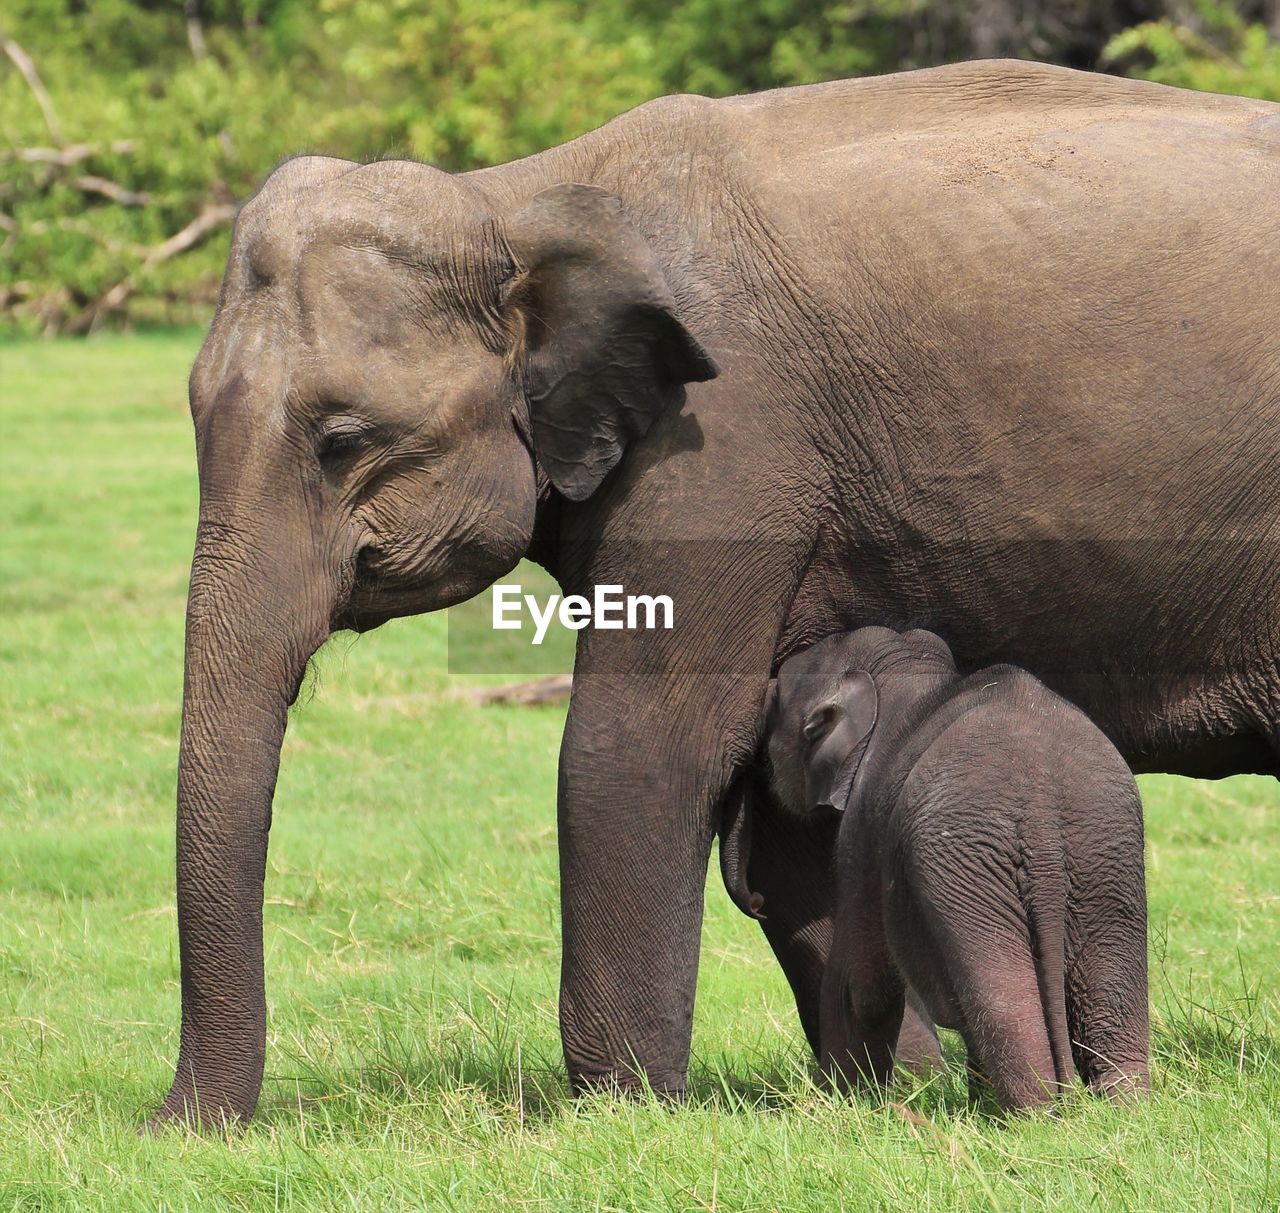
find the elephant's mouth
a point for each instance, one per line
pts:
(374, 598)
(369, 609)
(353, 618)
(377, 594)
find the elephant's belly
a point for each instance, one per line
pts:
(1225, 721)
(1214, 758)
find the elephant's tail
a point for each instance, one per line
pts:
(1045, 898)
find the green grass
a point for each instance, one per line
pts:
(412, 934)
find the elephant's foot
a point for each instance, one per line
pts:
(194, 1118)
(666, 1085)
(1123, 1084)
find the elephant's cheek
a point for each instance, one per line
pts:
(437, 544)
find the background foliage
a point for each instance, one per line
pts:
(116, 196)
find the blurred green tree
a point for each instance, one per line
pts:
(468, 82)
(1220, 52)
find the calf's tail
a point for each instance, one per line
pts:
(1045, 898)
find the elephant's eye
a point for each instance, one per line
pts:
(338, 442)
(819, 723)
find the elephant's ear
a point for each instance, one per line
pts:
(603, 350)
(860, 700)
(735, 847)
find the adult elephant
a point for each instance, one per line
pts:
(997, 352)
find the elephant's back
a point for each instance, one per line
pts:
(969, 99)
(1005, 737)
(739, 144)
(972, 153)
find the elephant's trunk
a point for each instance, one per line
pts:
(259, 606)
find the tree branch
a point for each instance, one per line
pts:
(80, 227)
(109, 189)
(212, 216)
(555, 689)
(22, 61)
(195, 29)
(65, 157)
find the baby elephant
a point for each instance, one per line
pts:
(989, 858)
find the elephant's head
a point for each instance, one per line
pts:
(388, 355)
(830, 701)
(391, 362)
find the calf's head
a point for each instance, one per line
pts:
(820, 720)
(831, 710)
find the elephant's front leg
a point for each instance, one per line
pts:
(636, 816)
(863, 994)
(661, 722)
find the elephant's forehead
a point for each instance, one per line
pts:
(267, 251)
(817, 671)
(364, 210)
(387, 197)
(808, 675)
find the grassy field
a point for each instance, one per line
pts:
(412, 934)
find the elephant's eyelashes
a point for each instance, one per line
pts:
(339, 442)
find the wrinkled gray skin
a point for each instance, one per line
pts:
(997, 354)
(989, 857)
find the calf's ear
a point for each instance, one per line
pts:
(860, 700)
(602, 350)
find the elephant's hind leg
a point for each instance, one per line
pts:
(1106, 979)
(992, 982)
(1004, 1023)
(1107, 1012)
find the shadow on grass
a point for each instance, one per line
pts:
(513, 1084)
(409, 1058)
(415, 1055)
(472, 1053)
